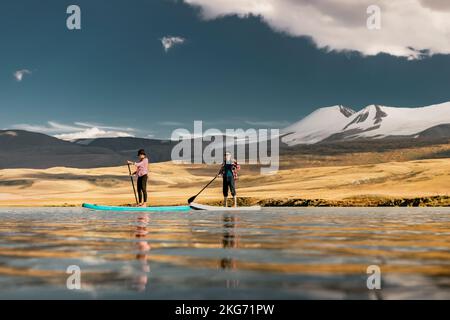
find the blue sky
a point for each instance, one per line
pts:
(231, 71)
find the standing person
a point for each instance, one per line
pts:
(142, 174)
(229, 172)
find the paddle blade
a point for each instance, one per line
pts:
(191, 199)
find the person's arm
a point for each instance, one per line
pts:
(139, 164)
(237, 166)
(221, 170)
(132, 163)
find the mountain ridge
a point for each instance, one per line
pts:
(326, 131)
(371, 122)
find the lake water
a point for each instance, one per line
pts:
(278, 253)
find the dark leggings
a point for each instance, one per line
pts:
(228, 182)
(142, 188)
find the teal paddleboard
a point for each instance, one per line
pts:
(135, 209)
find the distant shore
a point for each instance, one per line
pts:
(389, 184)
(435, 201)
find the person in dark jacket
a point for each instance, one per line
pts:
(229, 172)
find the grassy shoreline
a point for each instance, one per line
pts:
(434, 201)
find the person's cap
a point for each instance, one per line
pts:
(141, 151)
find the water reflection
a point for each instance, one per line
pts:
(230, 240)
(140, 278)
(277, 253)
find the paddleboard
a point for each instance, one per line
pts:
(136, 209)
(197, 206)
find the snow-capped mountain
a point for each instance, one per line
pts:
(374, 121)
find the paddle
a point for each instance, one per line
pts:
(132, 183)
(191, 199)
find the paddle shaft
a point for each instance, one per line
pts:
(191, 199)
(132, 183)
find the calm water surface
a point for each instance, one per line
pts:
(307, 253)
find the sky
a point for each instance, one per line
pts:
(146, 67)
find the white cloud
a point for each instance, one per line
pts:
(19, 74)
(409, 28)
(78, 130)
(100, 126)
(168, 42)
(92, 133)
(51, 127)
(9, 133)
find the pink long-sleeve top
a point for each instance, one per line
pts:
(141, 167)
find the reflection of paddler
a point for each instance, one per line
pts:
(230, 240)
(143, 247)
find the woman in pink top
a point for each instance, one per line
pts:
(142, 174)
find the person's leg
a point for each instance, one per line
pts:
(225, 191)
(144, 189)
(139, 189)
(233, 191)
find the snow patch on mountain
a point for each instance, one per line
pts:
(317, 126)
(374, 121)
(402, 121)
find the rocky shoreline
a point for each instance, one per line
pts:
(434, 201)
